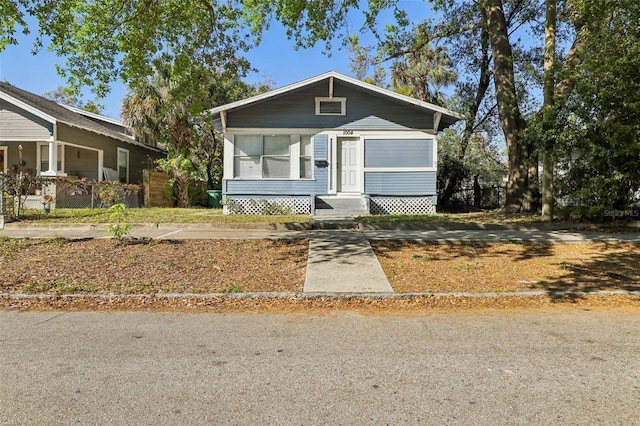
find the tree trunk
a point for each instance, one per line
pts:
(549, 83)
(508, 109)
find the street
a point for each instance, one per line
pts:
(533, 367)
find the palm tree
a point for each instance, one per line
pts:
(154, 106)
(423, 73)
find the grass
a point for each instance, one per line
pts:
(60, 286)
(201, 215)
(154, 215)
(486, 218)
(215, 216)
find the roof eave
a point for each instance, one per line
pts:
(27, 107)
(124, 138)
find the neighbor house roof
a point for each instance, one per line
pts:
(57, 113)
(449, 116)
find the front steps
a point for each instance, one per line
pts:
(340, 206)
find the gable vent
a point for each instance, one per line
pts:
(331, 106)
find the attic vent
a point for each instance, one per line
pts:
(331, 106)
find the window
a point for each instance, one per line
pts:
(276, 157)
(123, 165)
(306, 168)
(247, 154)
(331, 106)
(272, 156)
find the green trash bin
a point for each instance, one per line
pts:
(214, 199)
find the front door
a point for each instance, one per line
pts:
(349, 170)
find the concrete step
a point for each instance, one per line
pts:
(340, 206)
(339, 212)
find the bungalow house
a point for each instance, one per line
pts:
(331, 144)
(39, 137)
(42, 137)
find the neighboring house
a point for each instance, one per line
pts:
(42, 137)
(331, 144)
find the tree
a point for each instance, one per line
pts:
(423, 73)
(361, 60)
(197, 33)
(548, 110)
(156, 106)
(171, 107)
(109, 39)
(68, 96)
(598, 130)
(308, 23)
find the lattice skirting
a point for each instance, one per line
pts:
(257, 205)
(401, 205)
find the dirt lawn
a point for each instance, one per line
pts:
(149, 268)
(479, 268)
(58, 266)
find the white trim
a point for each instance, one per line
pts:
(276, 131)
(399, 169)
(228, 154)
(343, 105)
(100, 152)
(223, 120)
(52, 160)
(436, 121)
(93, 115)
(359, 164)
(123, 150)
(27, 107)
(294, 154)
(340, 77)
(331, 87)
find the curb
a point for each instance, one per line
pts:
(316, 296)
(281, 303)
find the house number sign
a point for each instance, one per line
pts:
(347, 132)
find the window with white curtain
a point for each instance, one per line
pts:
(269, 156)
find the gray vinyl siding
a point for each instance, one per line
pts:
(17, 124)
(28, 156)
(296, 109)
(398, 153)
(400, 183)
(315, 186)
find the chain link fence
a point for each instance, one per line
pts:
(7, 201)
(26, 192)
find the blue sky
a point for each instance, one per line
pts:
(275, 59)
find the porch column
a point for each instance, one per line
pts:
(53, 159)
(100, 165)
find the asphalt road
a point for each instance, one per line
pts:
(560, 367)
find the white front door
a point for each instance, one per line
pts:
(349, 170)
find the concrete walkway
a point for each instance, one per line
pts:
(344, 262)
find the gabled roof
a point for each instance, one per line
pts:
(56, 113)
(453, 116)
